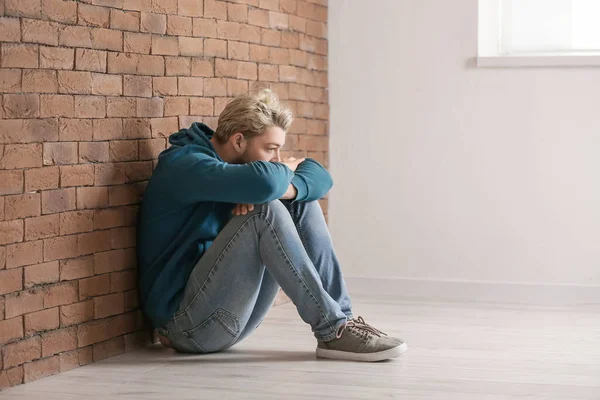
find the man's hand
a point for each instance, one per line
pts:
(292, 163)
(242, 209)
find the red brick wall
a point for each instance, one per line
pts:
(89, 92)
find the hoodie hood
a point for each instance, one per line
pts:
(196, 137)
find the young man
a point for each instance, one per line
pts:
(225, 222)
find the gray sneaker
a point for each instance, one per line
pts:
(358, 341)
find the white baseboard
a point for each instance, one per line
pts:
(476, 291)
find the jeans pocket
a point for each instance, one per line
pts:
(215, 333)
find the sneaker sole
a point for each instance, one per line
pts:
(366, 357)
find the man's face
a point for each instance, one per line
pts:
(265, 147)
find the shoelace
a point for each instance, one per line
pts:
(361, 326)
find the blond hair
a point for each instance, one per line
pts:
(251, 115)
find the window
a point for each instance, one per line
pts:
(539, 32)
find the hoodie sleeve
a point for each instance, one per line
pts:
(311, 180)
(195, 177)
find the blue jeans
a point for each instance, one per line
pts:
(233, 286)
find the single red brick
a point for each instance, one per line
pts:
(137, 42)
(41, 178)
(58, 341)
(152, 107)
(164, 6)
(136, 128)
(22, 206)
(41, 368)
(60, 11)
(112, 304)
(151, 65)
(77, 313)
(92, 242)
(56, 57)
(107, 39)
(60, 294)
(85, 355)
(178, 66)
(60, 153)
(177, 25)
(10, 29)
(95, 286)
(92, 197)
(164, 45)
(109, 348)
(10, 80)
(57, 105)
(189, 46)
(123, 280)
(20, 55)
(90, 107)
(40, 274)
(77, 175)
(123, 63)
(40, 81)
(164, 86)
(76, 222)
(191, 8)
(77, 81)
(260, 53)
(175, 106)
(41, 227)
(11, 280)
(108, 218)
(93, 152)
(22, 156)
(153, 23)
(123, 150)
(75, 36)
(236, 87)
(94, 16)
(120, 106)
(215, 87)
(21, 105)
(215, 9)
(202, 67)
(23, 302)
(269, 4)
(11, 182)
(21, 352)
(202, 27)
(90, 60)
(201, 106)
(69, 360)
(60, 248)
(238, 51)
(38, 31)
(237, 12)
(226, 68)
(215, 48)
(60, 200)
(106, 129)
(11, 329)
(139, 86)
(27, 253)
(72, 130)
(125, 20)
(41, 321)
(76, 268)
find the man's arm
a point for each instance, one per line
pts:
(193, 178)
(311, 181)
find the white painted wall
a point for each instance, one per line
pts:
(446, 171)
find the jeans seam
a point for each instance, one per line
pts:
(294, 269)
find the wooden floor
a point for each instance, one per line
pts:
(455, 351)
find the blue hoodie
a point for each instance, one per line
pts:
(189, 199)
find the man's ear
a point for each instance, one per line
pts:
(239, 142)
